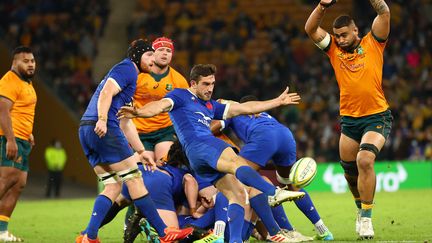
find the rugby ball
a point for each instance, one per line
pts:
(303, 172)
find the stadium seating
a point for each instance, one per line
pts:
(258, 46)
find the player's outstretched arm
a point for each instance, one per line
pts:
(149, 110)
(312, 26)
(253, 107)
(381, 23)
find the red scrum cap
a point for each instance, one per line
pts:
(163, 42)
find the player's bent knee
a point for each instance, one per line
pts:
(350, 168)
(241, 197)
(369, 147)
(365, 163)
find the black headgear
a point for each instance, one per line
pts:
(136, 49)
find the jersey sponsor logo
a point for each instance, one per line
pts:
(347, 59)
(209, 105)
(205, 119)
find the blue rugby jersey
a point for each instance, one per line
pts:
(125, 74)
(191, 116)
(244, 125)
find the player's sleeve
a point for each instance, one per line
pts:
(8, 91)
(378, 43)
(221, 110)
(331, 47)
(123, 75)
(176, 98)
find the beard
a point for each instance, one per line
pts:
(160, 66)
(349, 48)
(26, 74)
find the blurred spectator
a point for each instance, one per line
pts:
(55, 158)
(64, 34)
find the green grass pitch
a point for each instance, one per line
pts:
(404, 216)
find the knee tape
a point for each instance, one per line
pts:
(129, 174)
(108, 178)
(282, 180)
(369, 147)
(350, 168)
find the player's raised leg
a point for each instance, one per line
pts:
(229, 162)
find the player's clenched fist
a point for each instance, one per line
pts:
(327, 3)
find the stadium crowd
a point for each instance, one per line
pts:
(64, 34)
(256, 51)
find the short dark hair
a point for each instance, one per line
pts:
(342, 21)
(21, 49)
(176, 155)
(248, 98)
(202, 70)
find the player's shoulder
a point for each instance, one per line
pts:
(173, 71)
(179, 92)
(125, 68)
(178, 78)
(11, 80)
(10, 75)
(370, 37)
(142, 77)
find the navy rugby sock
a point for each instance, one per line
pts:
(206, 220)
(260, 205)
(306, 205)
(112, 212)
(247, 230)
(148, 209)
(235, 220)
(250, 177)
(281, 218)
(101, 207)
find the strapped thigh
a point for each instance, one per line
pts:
(108, 178)
(129, 174)
(369, 147)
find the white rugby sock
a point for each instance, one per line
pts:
(320, 227)
(219, 228)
